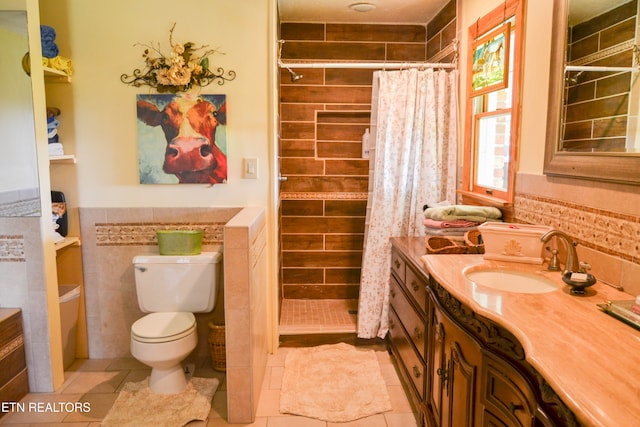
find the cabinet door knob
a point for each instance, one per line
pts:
(397, 263)
(416, 372)
(418, 332)
(443, 374)
(393, 293)
(439, 333)
(415, 286)
(513, 407)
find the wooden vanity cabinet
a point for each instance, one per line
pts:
(507, 400)
(407, 328)
(460, 369)
(479, 376)
(14, 384)
(455, 360)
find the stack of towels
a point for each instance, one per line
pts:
(51, 53)
(55, 146)
(48, 42)
(453, 221)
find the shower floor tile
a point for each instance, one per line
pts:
(317, 316)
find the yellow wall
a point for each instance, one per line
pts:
(99, 113)
(98, 120)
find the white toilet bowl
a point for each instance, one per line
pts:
(162, 341)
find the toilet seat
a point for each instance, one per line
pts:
(163, 327)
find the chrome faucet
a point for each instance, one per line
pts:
(572, 264)
(575, 273)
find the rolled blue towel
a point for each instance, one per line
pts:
(47, 33)
(50, 50)
(47, 37)
(52, 123)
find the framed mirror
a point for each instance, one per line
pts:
(593, 126)
(19, 183)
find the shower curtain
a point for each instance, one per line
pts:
(413, 144)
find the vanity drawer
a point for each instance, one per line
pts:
(13, 376)
(412, 322)
(414, 367)
(417, 289)
(398, 265)
(506, 393)
(10, 326)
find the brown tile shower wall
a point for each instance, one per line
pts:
(592, 119)
(441, 33)
(322, 119)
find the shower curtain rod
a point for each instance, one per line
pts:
(599, 68)
(370, 65)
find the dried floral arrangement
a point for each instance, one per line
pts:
(186, 66)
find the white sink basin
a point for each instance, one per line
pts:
(511, 281)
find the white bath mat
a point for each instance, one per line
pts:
(138, 406)
(335, 383)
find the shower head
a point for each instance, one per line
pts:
(575, 79)
(294, 76)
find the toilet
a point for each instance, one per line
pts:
(171, 288)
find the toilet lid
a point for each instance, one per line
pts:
(162, 327)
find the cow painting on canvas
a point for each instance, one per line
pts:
(182, 139)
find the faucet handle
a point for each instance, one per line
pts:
(584, 267)
(554, 263)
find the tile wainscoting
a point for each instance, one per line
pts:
(603, 218)
(111, 237)
(12, 248)
(605, 231)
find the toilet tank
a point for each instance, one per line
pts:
(177, 283)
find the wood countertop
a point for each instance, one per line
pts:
(591, 359)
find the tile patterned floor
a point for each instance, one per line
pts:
(99, 381)
(318, 316)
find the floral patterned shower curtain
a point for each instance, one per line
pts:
(414, 133)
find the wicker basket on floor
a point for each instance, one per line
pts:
(217, 347)
(444, 245)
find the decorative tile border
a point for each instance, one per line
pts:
(11, 346)
(323, 196)
(605, 231)
(30, 207)
(130, 234)
(12, 248)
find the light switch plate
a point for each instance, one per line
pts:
(250, 168)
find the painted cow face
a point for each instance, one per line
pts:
(189, 124)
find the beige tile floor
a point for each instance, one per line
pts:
(99, 381)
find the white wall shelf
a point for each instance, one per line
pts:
(51, 75)
(66, 158)
(68, 241)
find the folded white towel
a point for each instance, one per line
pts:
(56, 149)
